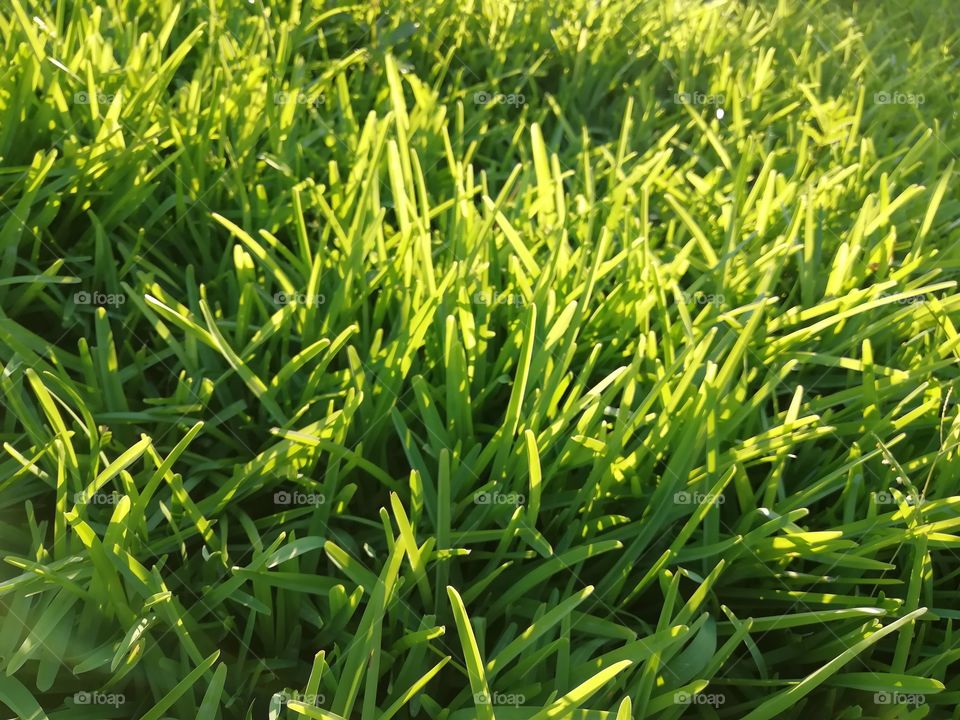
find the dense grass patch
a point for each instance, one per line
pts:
(489, 359)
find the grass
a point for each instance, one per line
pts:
(499, 360)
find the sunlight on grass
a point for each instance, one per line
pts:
(508, 360)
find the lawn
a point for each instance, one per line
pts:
(479, 359)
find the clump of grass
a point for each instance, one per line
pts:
(484, 360)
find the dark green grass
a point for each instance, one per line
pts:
(513, 360)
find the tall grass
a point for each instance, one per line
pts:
(479, 359)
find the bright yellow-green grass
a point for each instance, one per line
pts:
(479, 359)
